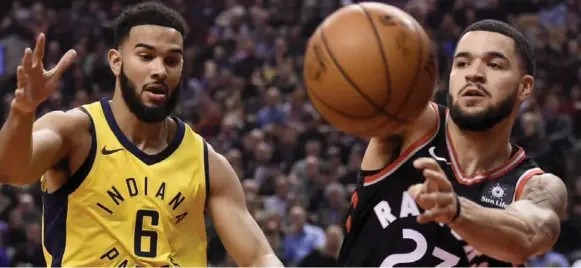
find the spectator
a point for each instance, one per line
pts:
(302, 237)
(327, 255)
(243, 91)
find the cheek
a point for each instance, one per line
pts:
(456, 82)
(174, 77)
(136, 71)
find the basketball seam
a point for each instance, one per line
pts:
(352, 83)
(417, 73)
(380, 123)
(351, 116)
(383, 55)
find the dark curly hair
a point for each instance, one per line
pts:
(521, 45)
(150, 12)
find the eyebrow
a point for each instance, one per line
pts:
(146, 46)
(492, 54)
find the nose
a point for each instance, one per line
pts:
(158, 70)
(475, 73)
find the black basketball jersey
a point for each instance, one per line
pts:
(382, 227)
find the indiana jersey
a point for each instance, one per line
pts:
(124, 207)
(382, 227)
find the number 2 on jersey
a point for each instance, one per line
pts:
(150, 250)
(448, 259)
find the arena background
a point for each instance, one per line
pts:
(244, 93)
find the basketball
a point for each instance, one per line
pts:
(369, 69)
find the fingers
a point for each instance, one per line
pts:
(19, 94)
(20, 77)
(64, 63)
(437, 199)
(27, 60)
(439, 214)
(436, 181)
(415, 190)
(38, 54)
(427, 163)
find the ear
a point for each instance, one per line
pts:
(526, 87)
(114, 57)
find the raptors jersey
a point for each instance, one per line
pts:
(124, 207)
(382, 227)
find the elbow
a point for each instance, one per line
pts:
(520, 256)
(536, 243)
(265, 260)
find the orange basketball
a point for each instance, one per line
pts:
(369, 68)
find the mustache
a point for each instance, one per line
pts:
(160, 83)
(478, 86)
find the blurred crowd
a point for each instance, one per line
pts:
(243, 91)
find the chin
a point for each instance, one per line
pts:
(472, 108)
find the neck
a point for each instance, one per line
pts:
(480, 151)
(143, 135)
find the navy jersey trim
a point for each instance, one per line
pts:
(206, 172)
(55, 204)
(149, 159)
(207, 180)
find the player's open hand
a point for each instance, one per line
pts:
(34, 83)
(436, 195)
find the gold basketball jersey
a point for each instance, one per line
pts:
(124, 207)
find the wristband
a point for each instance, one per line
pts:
(458, 209)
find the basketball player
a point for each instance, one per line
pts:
(451, 190)
(125, 184)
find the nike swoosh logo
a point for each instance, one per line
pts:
(104, 151)
(433, 154)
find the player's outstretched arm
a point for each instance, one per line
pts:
(527, 227)
(24, 156)
(239, 232)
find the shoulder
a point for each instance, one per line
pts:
(547, 191)
(546, 181)
(64, 122)
(380, 150)
(221, 174)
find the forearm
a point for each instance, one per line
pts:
(503, 234)
(15, 144)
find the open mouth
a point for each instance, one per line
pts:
(157, 89)
(473, 92)
(157, 93)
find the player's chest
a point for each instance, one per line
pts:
(116, 193)
(493, 193)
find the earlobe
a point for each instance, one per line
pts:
(114, 58)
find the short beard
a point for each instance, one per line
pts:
(485, 120)
(136, 106)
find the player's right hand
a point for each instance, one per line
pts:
(34, 83)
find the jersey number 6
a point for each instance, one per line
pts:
(140, 234)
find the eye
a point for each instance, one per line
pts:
(172, 61)
(461, 64)
(495, 65)
(145, 57)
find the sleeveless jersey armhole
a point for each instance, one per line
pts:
(206, 173)
(374, 176)
(366, 173)
(75, 180)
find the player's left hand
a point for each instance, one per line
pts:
(436, 195)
